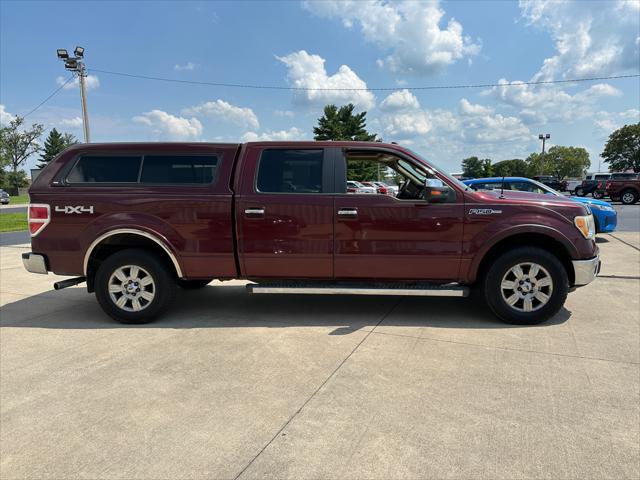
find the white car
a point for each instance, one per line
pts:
(357, 187)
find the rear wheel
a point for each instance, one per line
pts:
(526, 286)
(629, 197)
(134, 286)
(580, 192)
(193, 284)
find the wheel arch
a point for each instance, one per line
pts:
(533, 239)
(121, 238)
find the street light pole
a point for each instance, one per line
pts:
(76, 66)
(544, 138)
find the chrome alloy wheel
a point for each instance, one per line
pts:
(526, 287)
(628, 198)
(131, 288)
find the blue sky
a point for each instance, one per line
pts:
(331, 45)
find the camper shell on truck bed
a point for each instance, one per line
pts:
(135, 220)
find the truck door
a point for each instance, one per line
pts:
(284, 212)
(387, 236)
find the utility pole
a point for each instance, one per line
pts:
(76, 66)
(544, 138)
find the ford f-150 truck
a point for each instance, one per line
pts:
(625, 189)
(136, 221)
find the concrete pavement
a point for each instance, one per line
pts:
(229, 385)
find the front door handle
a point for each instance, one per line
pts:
(348, 212)
(254, 212)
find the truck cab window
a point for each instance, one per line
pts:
(400, 178)
(290, 171)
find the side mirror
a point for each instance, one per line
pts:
(435, 191)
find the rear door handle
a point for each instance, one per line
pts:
(254, 212)
(348, 212)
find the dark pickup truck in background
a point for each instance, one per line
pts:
(625, 189)
(135, 221)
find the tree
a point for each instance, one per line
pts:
(622, 151)
(538, 164)
(473, 167)
(568, 161)
(17, 145)
(510, 168)
(343, 124)
(55, 143)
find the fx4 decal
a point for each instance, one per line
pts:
(484, 211)
(80, 209)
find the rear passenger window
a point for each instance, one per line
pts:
(290, 171)
(178, 169)
(105, 169)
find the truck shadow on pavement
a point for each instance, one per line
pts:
(232, 307)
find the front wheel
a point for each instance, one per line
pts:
(526, 286)
(134, 286)
(598, 195)
(629, 197)
(580, 192)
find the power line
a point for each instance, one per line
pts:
(49, 97)
(382, 89)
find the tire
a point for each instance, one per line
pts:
(580, 192)
(502, 271)
(153, 298)
(598, 195)
(193, 284)
(629, 197)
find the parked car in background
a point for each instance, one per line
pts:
(625, 188)
(379, 186)
(572, 185)
(605, 216)
(594, 184)
(551, 181)
(4, 197)
(357, 187)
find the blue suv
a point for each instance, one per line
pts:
(604, 214)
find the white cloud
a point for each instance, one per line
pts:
(542, 104)
(91, 82)
(243, 116)
(284, 113)
(607, 122)
(468, 108)
(410, 30)
(5, 117)
(189, 66)
(591, 38)
(164, 125)
(400, 100)
(308, 71)
(75, 122)
(471, 124)
(292, 134)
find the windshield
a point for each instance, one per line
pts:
(440, 170)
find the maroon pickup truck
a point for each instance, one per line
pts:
(626, 189)
(136, 221)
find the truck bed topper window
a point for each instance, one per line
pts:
(144, 169)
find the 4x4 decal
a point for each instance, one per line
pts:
(79, 209)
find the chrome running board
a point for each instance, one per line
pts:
(399, 289)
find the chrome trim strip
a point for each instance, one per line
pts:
(254, 211)
(133, 231)
(436, 292)
(586, 270)
(34, 263)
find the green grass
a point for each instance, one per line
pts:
(19, 199)
(12, 222)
